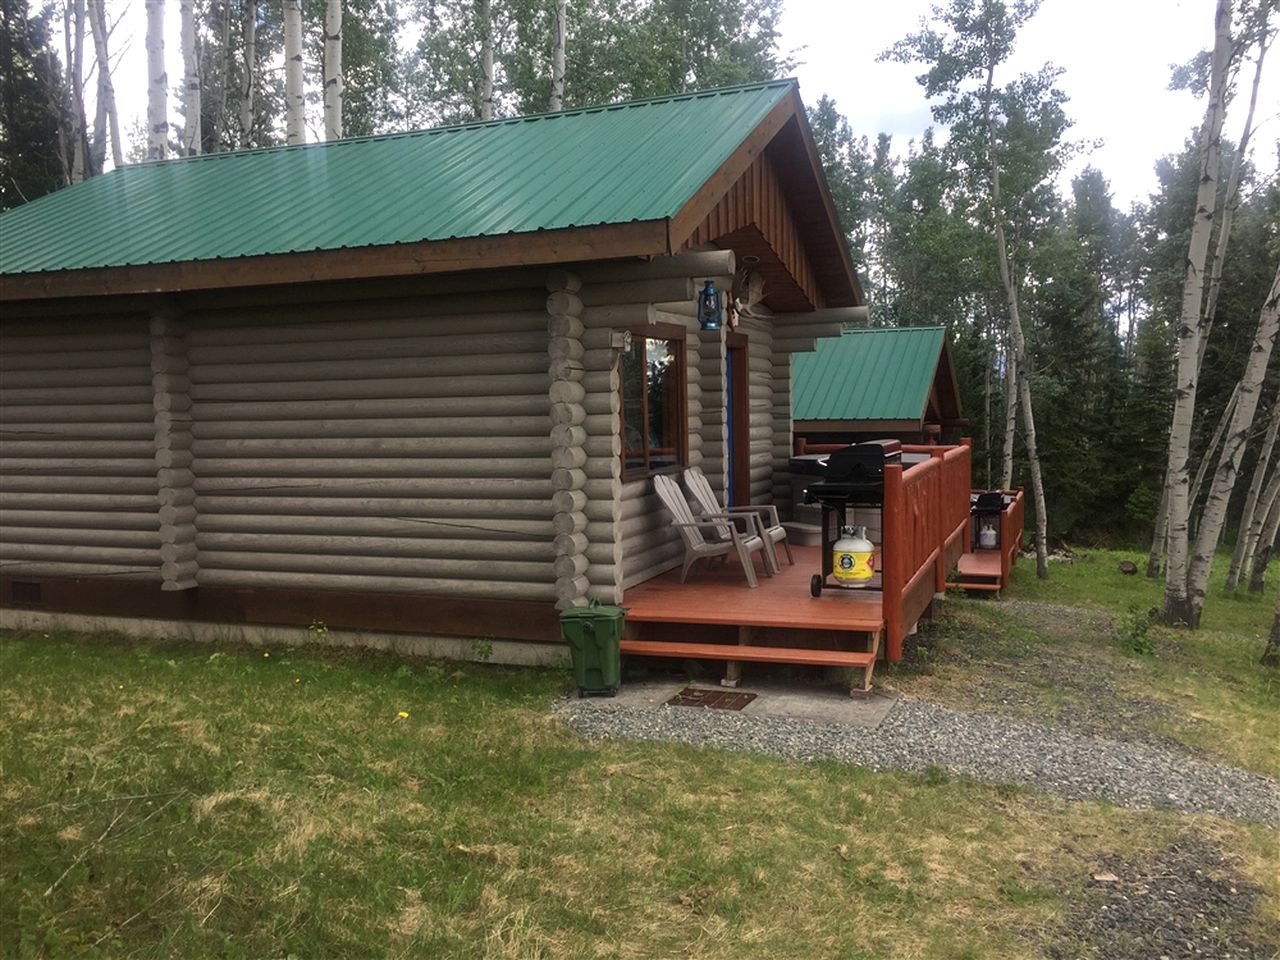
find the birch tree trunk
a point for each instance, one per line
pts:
(1018, 340)
(97, 145)
(1266, 546)
(333, 70)
(1232, 200)
(1271, 653)
(73, 37)
(248, 79)
(191, 133)
(157, 84)
(294, 104)
(1210, 453)
(558, 57)
(1233, 447)
(1160, 536)
(106, 88)
(1010, 417)
(1177, 605)
(1254, 513)
(484, 24)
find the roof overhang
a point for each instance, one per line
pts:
(648, 238)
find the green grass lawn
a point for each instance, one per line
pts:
(182, 801)
(1203, 690)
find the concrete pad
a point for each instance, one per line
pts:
(795, 701)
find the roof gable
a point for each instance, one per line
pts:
(633, 167)
(877, 374)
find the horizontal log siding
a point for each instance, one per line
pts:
(78, 483)
(404, 450)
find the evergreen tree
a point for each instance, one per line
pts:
(30, 90)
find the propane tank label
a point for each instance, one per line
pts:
(849, 566)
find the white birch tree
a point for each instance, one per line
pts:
(80, 162)
(1177, 606)
(106, 88)
(1233, 447)
(192, 138)
(1010, 417)
(157, 84)
(484, 24)
(333, 70)
(248, 75)
(294, 102)
(558, 56)
(1251, 516)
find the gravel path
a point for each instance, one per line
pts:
(917, 735)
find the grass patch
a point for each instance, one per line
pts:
(172, 800)
(1080, 651)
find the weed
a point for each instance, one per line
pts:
(318, 631)
(482, 649)
(1133, 631)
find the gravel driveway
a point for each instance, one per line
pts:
(916, 735)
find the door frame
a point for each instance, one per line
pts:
(738, 419)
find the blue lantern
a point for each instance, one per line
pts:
(710, 307)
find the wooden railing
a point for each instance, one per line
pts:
(1012, 518)
(926, 528)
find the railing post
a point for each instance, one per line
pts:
(968, 488)
(893, 565)
(941, 518)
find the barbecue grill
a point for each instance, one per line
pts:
(850, 477)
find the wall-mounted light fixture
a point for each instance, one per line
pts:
(710, 307)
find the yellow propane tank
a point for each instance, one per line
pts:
(851, 558)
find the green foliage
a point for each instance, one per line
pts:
(30, 87)
(617, 50)
(1133, 631)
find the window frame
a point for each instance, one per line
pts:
(667, 333)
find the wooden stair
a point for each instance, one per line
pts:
(978, 571)
(745, 653)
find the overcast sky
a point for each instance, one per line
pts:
(1116, 54)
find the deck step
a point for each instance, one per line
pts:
(753, 654)
(967, 585)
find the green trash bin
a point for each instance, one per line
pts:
(593, 633)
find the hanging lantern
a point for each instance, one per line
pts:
(710, 308)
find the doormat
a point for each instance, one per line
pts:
(711, 699)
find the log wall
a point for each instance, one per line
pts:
(359, 451)
(79, 494)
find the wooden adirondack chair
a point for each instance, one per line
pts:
(766, 515)
(725, 537)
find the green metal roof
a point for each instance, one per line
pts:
(880, 374)
(614, 164)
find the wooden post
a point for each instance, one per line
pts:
(564, 350)
(893, 566)
(941, 524)
(171, 388)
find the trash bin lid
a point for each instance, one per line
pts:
(595, 610)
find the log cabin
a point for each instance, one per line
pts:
(407, 385)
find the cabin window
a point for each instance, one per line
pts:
(655, 427)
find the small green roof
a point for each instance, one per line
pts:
(617, 164)
(880, 374)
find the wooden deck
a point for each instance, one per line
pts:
(982, 563)
(720, 595)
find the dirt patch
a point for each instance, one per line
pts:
(1188, 901)
(1038, 663)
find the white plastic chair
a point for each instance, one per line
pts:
(726, 537)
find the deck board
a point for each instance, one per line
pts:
(981, 563)
(720, 595)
